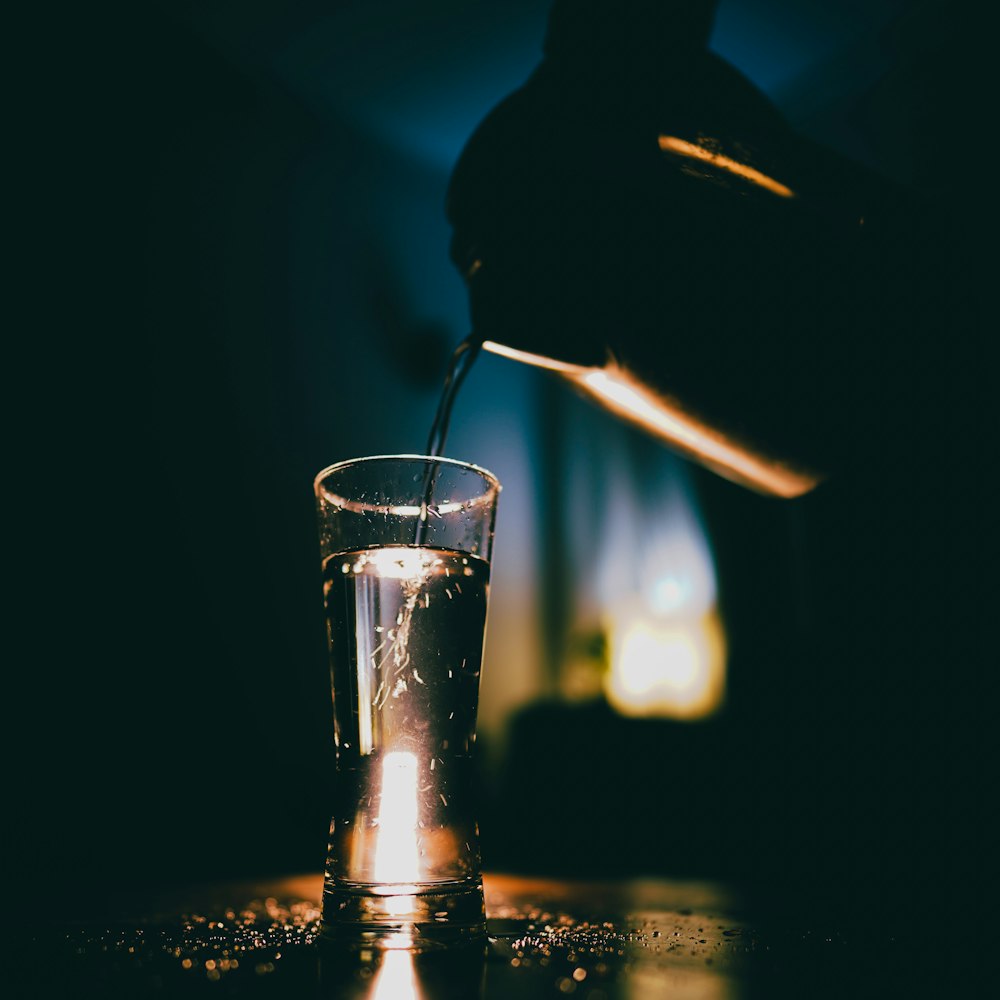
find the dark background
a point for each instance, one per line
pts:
(238, 274)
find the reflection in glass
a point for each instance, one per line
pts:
(394, 971)
(396, 851)
(397, 979)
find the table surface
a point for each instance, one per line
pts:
(594, 941)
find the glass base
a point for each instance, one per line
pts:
(423, 918)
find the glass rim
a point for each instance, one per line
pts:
(406, 510)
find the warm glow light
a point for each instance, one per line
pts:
(396, 979)
(622, 394)
(396, 855)
(680, 147)
(396, 563)
(673, 668)
(657, 588)
(536, 360)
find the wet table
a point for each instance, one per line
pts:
(594, 941)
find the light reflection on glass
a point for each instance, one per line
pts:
(402, 510)
(397, 562)
(396, 852)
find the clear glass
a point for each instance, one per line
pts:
(406, 543)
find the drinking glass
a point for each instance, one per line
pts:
(405, 542)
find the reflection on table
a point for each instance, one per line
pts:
(629, 940)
